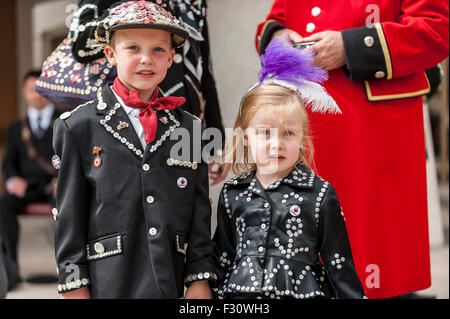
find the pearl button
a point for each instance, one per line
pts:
(263, 226)
(315, 11)
(150, 199)
(369, 41)
(99, 248)
(146, 167)
(152, 231)
(65, 115)
(261, 249)
(310, 27)
(266, 205)
(380, 75)
(178, 58)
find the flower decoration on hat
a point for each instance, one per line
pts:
(140, 14)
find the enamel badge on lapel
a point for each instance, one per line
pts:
(182, 182)
(122, 125)
(295, 210)
(164, 120)
(97, 160)
(56, 162)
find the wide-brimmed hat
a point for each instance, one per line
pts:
(140, 14)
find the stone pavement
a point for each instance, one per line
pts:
(36, 256)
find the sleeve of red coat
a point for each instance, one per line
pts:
(274, 22)
(416, 41)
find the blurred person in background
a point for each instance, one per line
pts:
(27, 169)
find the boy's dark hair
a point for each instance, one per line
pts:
(31, 74)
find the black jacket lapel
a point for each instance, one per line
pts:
(117, 123)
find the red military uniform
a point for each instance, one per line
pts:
(374, 153)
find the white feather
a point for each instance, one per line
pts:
(314, 95)
(317, 98)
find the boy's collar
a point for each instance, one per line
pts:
(106, 98)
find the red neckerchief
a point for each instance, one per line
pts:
(147, 116)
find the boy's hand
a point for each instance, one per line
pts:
(198, 290)
(82, 293)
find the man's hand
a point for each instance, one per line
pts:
(292, 35)
(16, 186)
(329, 49)
(82, 293)
(198, 290)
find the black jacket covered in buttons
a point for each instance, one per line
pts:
(181, 79)
(288, 240)
(125, 227)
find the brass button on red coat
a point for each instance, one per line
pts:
(315, 11)
(310, 27)
(380, 75)
(369, 41)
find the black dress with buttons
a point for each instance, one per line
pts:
(131, 223)
(286, 241)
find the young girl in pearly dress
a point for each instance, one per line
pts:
(280, 228)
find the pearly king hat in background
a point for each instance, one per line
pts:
(140, 14)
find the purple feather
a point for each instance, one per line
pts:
(290, 64)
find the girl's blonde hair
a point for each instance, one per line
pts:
(284, 104)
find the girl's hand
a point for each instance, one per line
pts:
(198, 290)
(82, 293)
(217, 171)
(293, 36)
